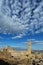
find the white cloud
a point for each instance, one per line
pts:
(18, 36)
(38, 42)
(20, 25)
(30, 39)
(12, 25)
(35, 41)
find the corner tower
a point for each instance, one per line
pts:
(29, 49)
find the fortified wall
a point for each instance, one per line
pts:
(23, 53)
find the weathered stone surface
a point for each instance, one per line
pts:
(23, 57)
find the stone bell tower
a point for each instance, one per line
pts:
(29, 49)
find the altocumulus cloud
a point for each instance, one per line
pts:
(20, 17)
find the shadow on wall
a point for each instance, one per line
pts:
(2, 62)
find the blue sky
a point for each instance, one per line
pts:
(20, 22)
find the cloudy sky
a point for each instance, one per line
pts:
(20, 21)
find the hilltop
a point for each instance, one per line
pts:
(10, 56)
